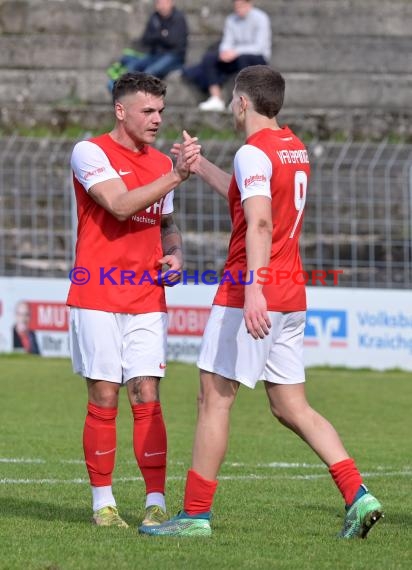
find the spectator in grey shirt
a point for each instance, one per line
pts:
(247, 40)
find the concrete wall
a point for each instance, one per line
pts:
(347, 63)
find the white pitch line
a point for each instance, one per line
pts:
(20, 460)
(283, 465)
(250, 477)
(272, 465)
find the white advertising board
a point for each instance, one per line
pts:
(345, 327)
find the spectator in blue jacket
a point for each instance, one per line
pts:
(161, 49)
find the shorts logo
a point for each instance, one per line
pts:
(124, 172)
(162, 366)
(326, 328)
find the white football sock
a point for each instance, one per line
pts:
(156, 499)
(102, 497)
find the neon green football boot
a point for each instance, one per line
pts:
(361, 516)
(108, 516)
(181, 525)
(154, 515)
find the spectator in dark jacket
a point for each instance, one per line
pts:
(161, 49)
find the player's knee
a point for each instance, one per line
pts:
(147, 397)
(103, 394)
(215, 404)
(280, 415)
(144, 390)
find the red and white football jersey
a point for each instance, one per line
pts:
(272, 163)
(121, 258)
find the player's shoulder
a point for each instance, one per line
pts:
(285, 136)
(81, 150)
(249, 150)
(86, 144)
(85, 149)
(88, 152)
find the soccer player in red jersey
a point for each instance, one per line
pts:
(118, 318)
(255, 329)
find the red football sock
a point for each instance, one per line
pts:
(199, 493)
(347, 478)
(150, 445)
(99, 444)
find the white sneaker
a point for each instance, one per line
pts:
(213, 104)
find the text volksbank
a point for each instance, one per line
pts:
(387, 331)
(263, 276)
(385, 319)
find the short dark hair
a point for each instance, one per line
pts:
(264, 86)
(135, 82)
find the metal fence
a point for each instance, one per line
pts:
(358, 215)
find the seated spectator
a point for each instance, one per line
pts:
(247, 40)
(161, 49)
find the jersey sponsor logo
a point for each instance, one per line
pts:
(94, 172)
(255, 178)
(143, 220)
(327, 328)
(124, 172)
(156, 208)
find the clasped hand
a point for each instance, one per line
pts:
(187, 155)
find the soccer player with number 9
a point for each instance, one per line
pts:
(255, 330)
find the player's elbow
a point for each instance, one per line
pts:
(119, 211)
(120, 217)
(265, 223)
(117, 207)
(263, 226)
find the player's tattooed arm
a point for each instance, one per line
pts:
(172, 248)
(171, 238)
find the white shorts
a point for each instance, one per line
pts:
(229, 350)
(117, 347)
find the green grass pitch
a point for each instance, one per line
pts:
(276, 506)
